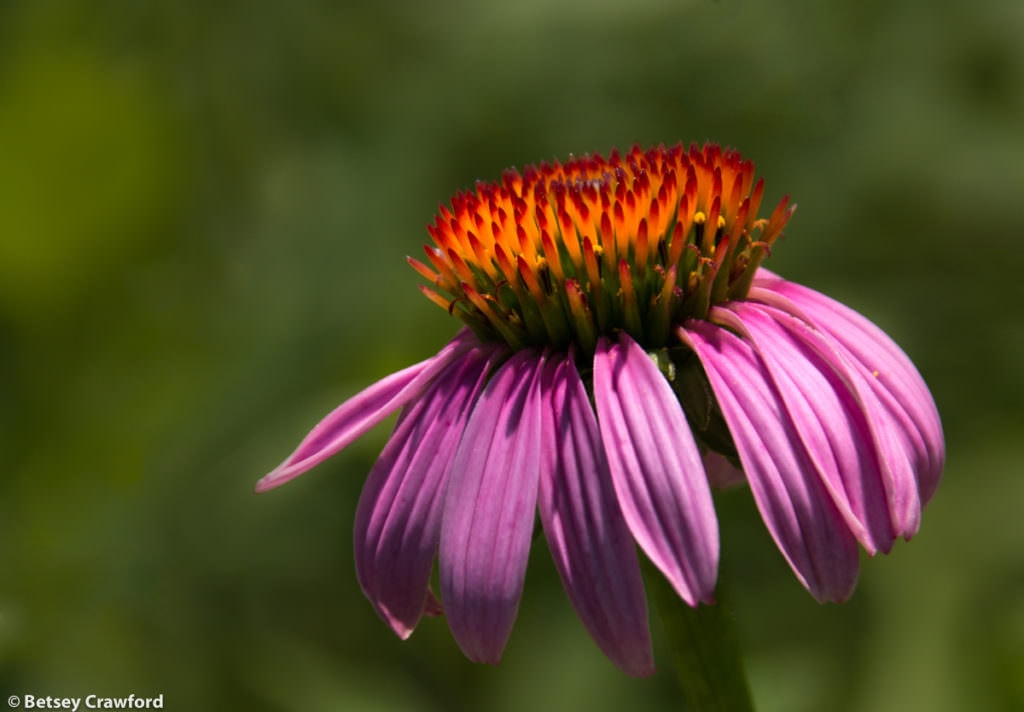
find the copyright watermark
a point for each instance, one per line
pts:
(89, 702)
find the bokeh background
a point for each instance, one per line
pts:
(204, 210)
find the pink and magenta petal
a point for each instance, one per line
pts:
(589, 541)
(794, 502)
(656, 468)
(871, 483)
(490, 508)
(356, 416)
(909, 409)
(398, 520)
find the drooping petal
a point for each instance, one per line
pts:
(794, 503)
(588, 537)
(896, 462)
(356, 416)
(490, 508)
(909, 406)
(872, 484)
(656, 468)
(398, 520)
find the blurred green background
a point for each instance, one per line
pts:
(204, 209)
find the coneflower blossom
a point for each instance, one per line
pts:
(623, 353)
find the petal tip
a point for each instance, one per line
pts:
(639, 669)
(402, 630)
(285, 472)
(269, 482)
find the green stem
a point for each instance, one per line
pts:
(704, 649)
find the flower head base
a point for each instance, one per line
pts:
(566, 253)
(626, 352)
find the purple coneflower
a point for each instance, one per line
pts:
(624, 353)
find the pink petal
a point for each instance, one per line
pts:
(898, 461)
(871, 483)
(588, 537)
(656, 468)
(794, 502)
(398, 520)
(490, 508)
(353, 418)
(909, 408)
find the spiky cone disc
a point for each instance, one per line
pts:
(564, 253)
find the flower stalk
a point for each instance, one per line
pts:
(705, 650)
